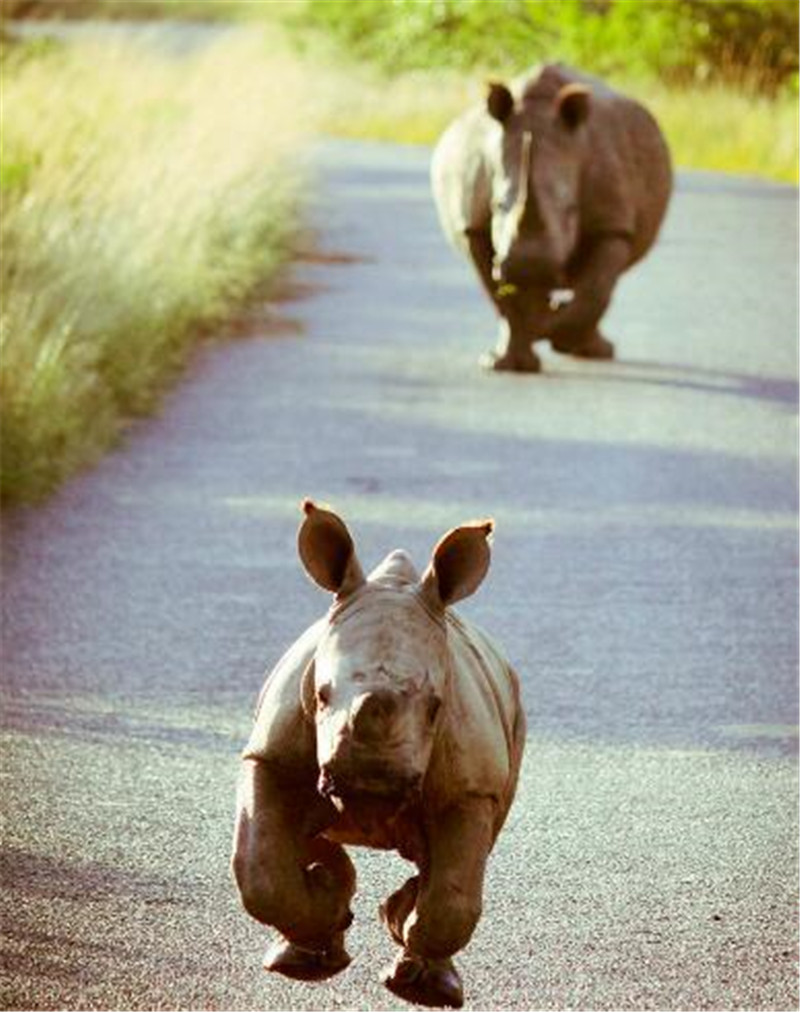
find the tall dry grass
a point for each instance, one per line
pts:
(143, 195)
(725, 129)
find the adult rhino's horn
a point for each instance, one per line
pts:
(326, 550)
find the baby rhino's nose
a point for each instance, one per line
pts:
(371, 714)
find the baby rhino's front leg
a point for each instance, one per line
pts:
(434, 914)
(289, 878)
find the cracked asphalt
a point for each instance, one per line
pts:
(643, 582)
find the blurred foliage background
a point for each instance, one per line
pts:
(741, 42)
(752, 43)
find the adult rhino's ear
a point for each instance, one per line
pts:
(573, 104)
(327, 552)
(499, 101)
(458, 564)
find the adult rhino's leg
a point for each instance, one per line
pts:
(574, 329)
(290, 878)
(514, 349)
(448, 903)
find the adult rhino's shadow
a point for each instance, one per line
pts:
(774, 389)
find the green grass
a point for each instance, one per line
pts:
(143, 198)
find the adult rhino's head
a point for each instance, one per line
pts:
(378, 681)
(536, 163)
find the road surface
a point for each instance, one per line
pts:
(643, 583)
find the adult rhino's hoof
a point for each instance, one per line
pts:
(431, 982)
(597, 347)
(306, 964)
(525, 362)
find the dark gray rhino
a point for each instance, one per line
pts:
(553, 188)
(391, 723)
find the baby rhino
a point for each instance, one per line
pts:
(391, 723)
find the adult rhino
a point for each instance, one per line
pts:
(390, 723)
(553, 189)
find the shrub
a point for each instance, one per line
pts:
(678, 40)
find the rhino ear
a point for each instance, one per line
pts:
(573, 104)
(327, 552)
(499, 101)
(458, 564)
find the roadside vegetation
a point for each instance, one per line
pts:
(721, 75)
(710, 126)
(143, 197)
(677, 41)
(146, 194)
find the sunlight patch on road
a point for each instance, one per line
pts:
(626, 405)
(765, 731)
(421, 514)
(678, 421)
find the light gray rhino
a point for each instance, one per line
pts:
(553, 188)
(390, 723)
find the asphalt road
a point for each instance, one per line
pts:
(643, 583)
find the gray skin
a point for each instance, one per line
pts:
(556, 183)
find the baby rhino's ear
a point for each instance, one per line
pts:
(458, 564)
(327, 552)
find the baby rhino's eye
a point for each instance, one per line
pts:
(323, 696)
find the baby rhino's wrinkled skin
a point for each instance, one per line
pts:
(390, 723)
(553, 189)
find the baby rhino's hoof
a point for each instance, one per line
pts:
(306, 964)
(431, 982)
